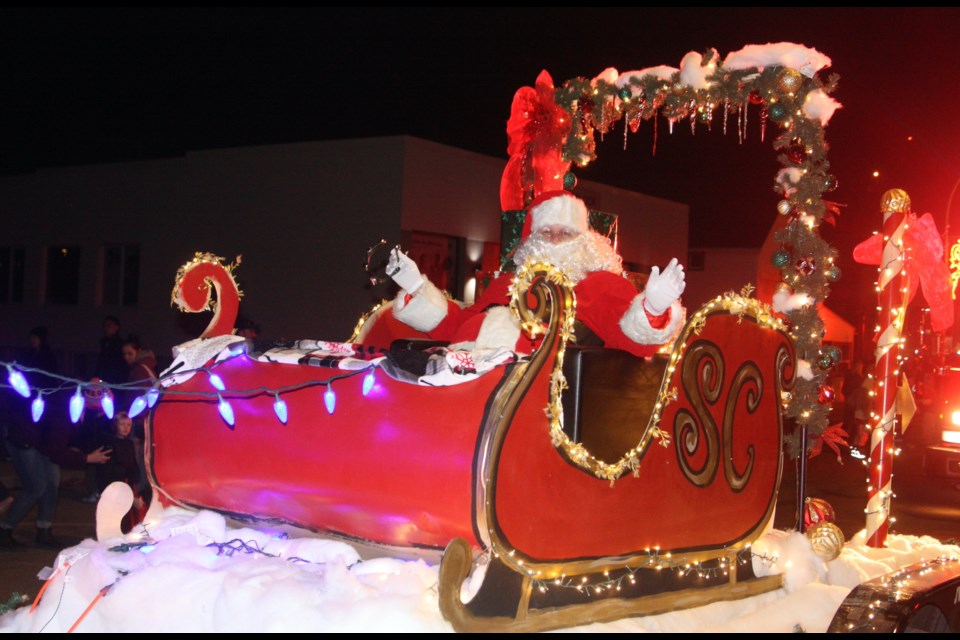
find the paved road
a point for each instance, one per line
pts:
(842, 485)
(74, 522)
(921, 506)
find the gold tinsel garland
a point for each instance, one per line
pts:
(739, 304)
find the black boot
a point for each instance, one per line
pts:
(7, 542)
(45, 539)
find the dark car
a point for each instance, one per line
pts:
(936, 425)
(927, 472)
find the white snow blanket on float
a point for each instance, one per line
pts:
(186, 571)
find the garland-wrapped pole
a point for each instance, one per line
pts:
(890, 285)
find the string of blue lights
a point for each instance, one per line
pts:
(17, 381)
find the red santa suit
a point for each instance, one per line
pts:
(607, 302)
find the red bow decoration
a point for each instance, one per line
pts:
(924, 262)
(833, 211)
(536, 131)
(832, 436)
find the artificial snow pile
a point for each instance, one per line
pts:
(190, 571)
(694, 72)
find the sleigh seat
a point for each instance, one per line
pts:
(609, 397)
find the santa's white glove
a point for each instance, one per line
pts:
(404, 271)
(663, 288)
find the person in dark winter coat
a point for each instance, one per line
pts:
(39, 356)
(37, 452)
(143, 366)
(5, 499)
(857, 403)
(110, 365)
(122, 467)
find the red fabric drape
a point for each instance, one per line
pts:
(536, 132)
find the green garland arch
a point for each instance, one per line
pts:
(780, 94)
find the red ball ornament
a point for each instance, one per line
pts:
(586, 104)
(806, 265)
(796, 152)
(755, 97)
(825, 394)
(817, 510)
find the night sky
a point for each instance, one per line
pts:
(105, 85)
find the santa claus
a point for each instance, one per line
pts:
(556, 230)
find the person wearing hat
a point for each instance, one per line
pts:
(556, 230)
(40, 357)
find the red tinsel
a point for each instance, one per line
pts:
(536, 131)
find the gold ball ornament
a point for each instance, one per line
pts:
(783, 288)
(789, 80)
(784, 207)
(895, 201)
(826, 539)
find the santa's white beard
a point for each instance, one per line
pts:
(586, 253)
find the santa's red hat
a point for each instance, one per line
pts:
(556, 208)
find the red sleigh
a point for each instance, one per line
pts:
(594, 484)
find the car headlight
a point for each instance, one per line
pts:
(951, 437)
(955, 418)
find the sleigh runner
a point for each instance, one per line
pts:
(485, 469)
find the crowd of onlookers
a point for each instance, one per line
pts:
(108, 449)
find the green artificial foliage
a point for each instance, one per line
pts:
(15, 601)
(778, 94)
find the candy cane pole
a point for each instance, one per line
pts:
(895, 205)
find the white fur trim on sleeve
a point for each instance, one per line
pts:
(499, 329)
(636, 326)
(425, 310)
